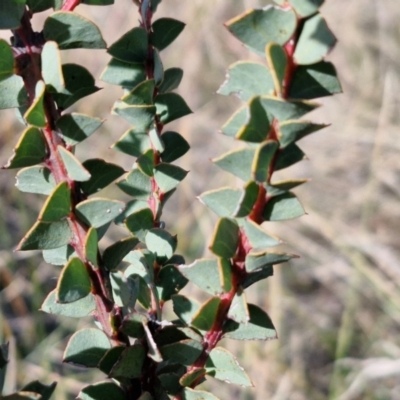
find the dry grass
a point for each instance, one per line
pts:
(337, 308)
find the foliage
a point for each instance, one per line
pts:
(126, 285)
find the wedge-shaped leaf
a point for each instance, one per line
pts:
(192, 376)
(250, 195)
(185, 352)
(263, 157)
(171, 106)
(257, 127)
(172, 80)
(237, 162)
(256, 260)
(305, 8)
(58, 204)
(247, 79)
(259, 327)
(169, 282)
(114, 254)
(207, 314)
(59, 256)
(101, 173)
(283, 207)
(281, 187)
(313, 81)
(315, 42)
(257, 28)
(146, 163)
(140, 116)
(191, 394)
(40, 5)
(44, 390)
(158, 68)
(161, 243)
(236, 122)
(30, 149)
(35, 179)
(132, 325)
(72, 31)
(51, 67)
(224, 201)
(86, 347)
(110, 358)
(238, 310)
(134, 142)
(165, 31)
(225, 238)
(139, 222)
(11, 12)
(46, 235)
(78, 83)
(257, 237)
(185, 308)
(136, 184)
(35, 115)
(76, 171)
(78, 309)
(98, 212)
(130, 208)
(74, 283)
(289, 156)
(130, 363)
(102, 391)
(91, 246)
(257, 275)
(12, 91)
(124, 74)
(75, 127)
(277, 61)
(175, 146)
(141, 95)
(223, 365)
(293, 130)
(168, 176)
(6, 60)
(131, 47)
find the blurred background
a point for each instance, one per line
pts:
(337, 307)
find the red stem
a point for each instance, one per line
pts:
(70, 5)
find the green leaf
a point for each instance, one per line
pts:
(222, 365)
(238, 310)
(133, 142)
(283, 207)
(168, 176)
(146, 163)
(75, 127)
(191, 394)
(58, 204)
(293, 130)
(236, 122)
(277, 61)
(35, 179)
(247, 79)
(59, 256)
(259, 327)
(224, 201)
(133, 323)
(305, 8)
(165, 31)
(124, 74)
(172, 79)
(258, 275)
(86, 348)
(132, 47)
(257, 237)
(169, 282)
(257, 260)
(248, 200)
(185, 352)
(101, 173)
(74, 282)
(125, 289)
(37, 387)
(35, 115)
(205, 317)
(175, 146)
(39, 5)
(139, 222)
(46, 235)
(289, 156)
(51, 67)
(281, 187)
(141, 95)
(171, 106)
(136, 184)
(263, 158)
(78, 309)
(79, 83)
(110, 358)
(257, 28)
(315, 42)
(313, 81)
(72, 31)
(192, 376)
(185, 308)
(237, 162)
(114, 254)
(75, 169)
(102, 391)
(12, 90)
(30, 149)
(11, 12)
(6, 60)
(225, 238)
(91, 246)
(158, 68)
(140, 116)
(98, 212)
(161, 243)
(130, 363)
